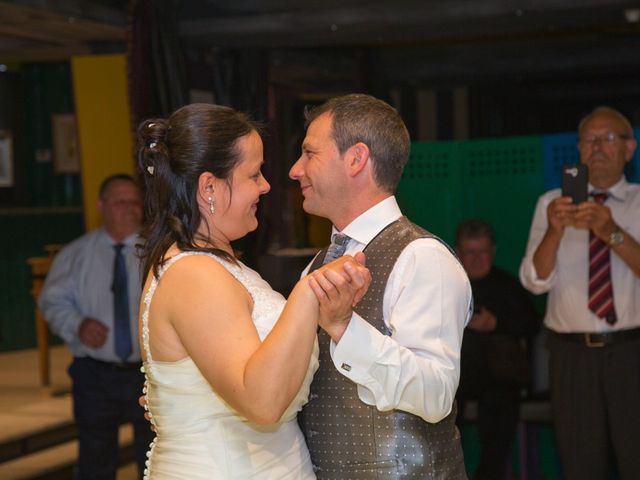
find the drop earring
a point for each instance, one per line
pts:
(211, 207)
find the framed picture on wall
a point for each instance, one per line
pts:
(6, 159)
(66, 154)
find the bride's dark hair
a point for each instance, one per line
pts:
(172, 154)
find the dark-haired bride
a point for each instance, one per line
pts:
(227, 361)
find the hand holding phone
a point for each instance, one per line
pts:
(574, 182)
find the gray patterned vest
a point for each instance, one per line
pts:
(350, 440)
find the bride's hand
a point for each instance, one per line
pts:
(142, 401)
(351, 269)
(339, 286)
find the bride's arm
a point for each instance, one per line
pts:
(211, 313)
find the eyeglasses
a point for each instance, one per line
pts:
(609, 138)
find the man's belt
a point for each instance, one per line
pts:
(599, 339)
(119, 366)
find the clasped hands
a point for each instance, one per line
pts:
(590, 215)
(339, 286)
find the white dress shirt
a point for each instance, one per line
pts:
(568, 283)
(426, 306)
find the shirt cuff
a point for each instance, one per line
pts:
(534, 282)
(70, 329)
(352, 356)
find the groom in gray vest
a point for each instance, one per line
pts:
(382, 402)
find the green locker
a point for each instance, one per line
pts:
(501, 181)
(429, 192)
(498, 180)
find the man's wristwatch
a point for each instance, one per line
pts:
(616, 237)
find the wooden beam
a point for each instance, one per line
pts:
(101, 12)
(379, 23)
(42, 25)
(474, 63)
(43, 54)
(32, 34)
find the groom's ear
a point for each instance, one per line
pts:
(357, 158)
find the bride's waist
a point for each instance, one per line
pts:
(226, 425)
(188, 412)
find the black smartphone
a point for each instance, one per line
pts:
(574, 182)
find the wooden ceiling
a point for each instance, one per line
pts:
(286, 23)
(32, 31)
(413, 39)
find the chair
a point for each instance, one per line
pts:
(39, 269)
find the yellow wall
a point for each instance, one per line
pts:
(104, 124)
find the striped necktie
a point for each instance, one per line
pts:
(600, 286)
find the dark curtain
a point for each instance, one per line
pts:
(241, 82)
(157, 83)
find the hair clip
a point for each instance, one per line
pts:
(150, 169)
(153, 144)
(151, 125)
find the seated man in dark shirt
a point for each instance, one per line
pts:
(494, 359)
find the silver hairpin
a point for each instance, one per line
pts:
(150, 125)
(150, 169)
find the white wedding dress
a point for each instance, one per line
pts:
(199, 436)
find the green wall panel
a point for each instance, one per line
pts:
(430, 191)
(17, 321)
(501, 182)
(25, 233)
(498, 180)
(48, 91)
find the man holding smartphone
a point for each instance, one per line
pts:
(587, 257)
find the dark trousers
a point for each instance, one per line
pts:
(498, 410)
(486, 376)
(595, 400)
(103, 398)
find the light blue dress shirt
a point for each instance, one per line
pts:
(79, 286)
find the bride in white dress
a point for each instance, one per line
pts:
(228, 364)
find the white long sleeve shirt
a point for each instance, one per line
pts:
(568, 283)
(426, 306)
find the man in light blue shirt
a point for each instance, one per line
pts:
(90, 299)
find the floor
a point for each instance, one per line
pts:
(26, 406)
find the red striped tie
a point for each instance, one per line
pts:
(600, 287)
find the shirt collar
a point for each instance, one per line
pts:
(366, 226)
(617, 191)
(129, 241)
